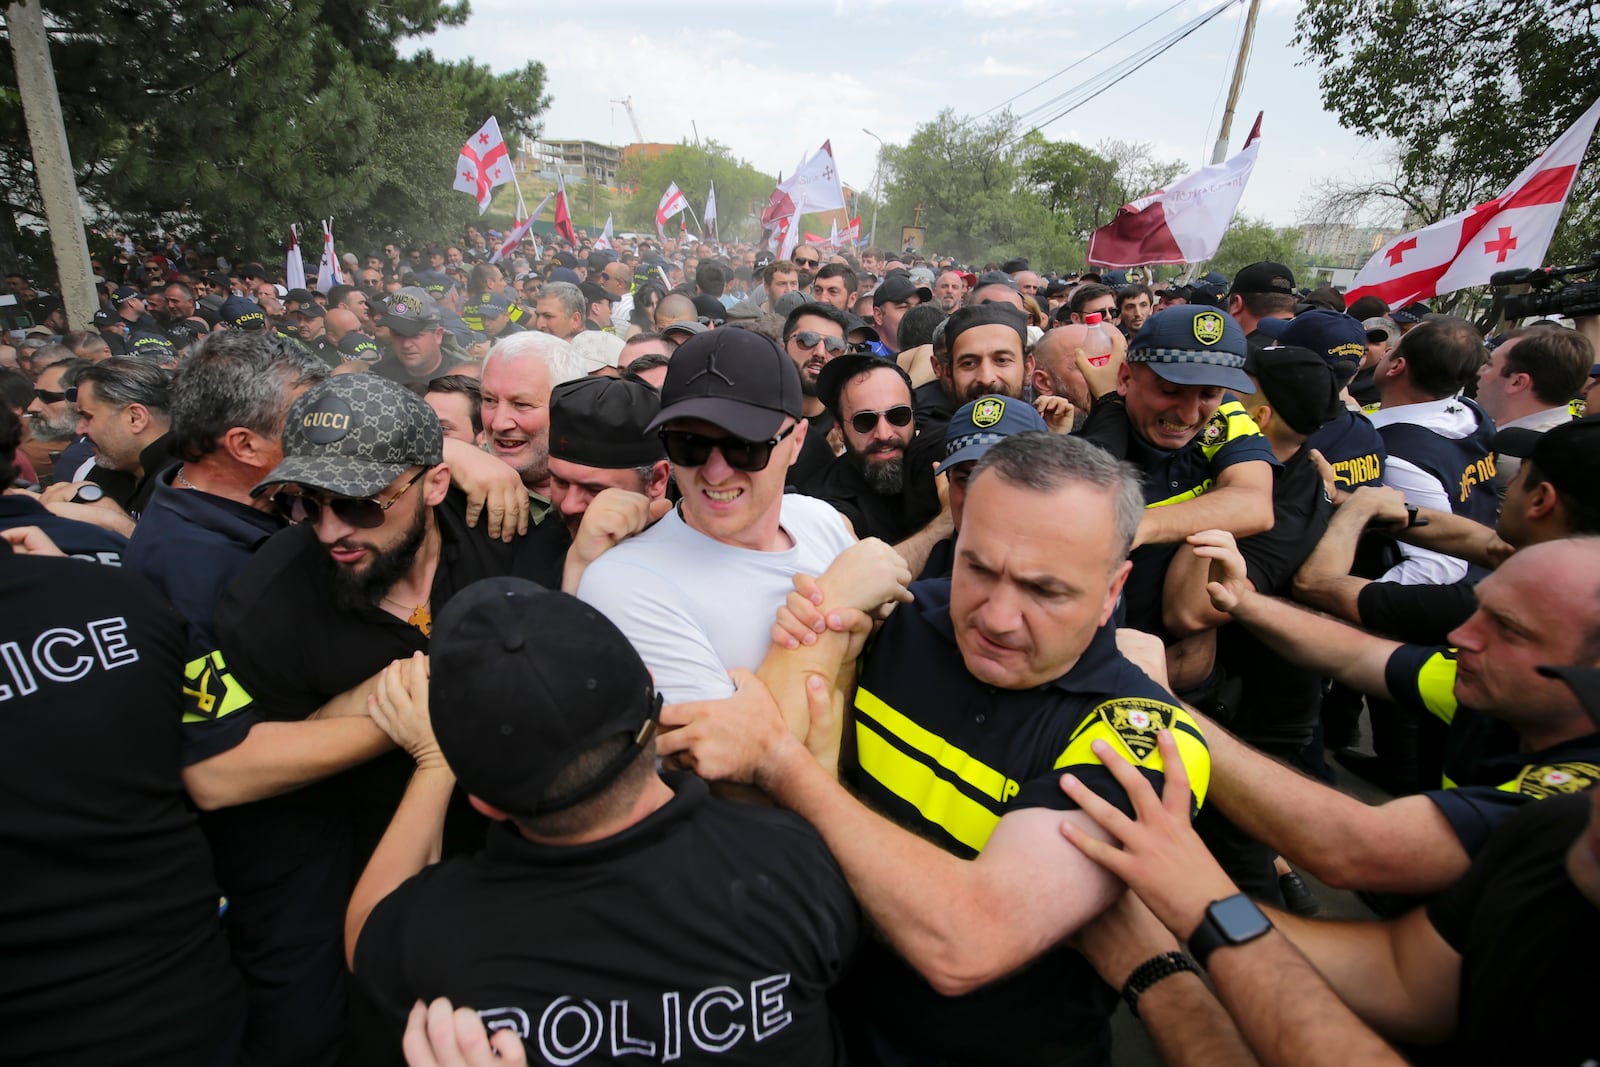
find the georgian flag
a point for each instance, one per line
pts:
(519, 231)
(603, 242)
(1511, 231)
(711, 212)
(483, 164)
(328, 273)
(672, 202)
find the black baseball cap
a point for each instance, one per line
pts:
(603, 422)
(299, 296)
(1298, 383)
(242, 313)
(738, 380)
(358, 347)
(1264, 277)
(353, 434)
(900, 288)
(524, 680)
(839, 370)
(1567, 456)
(124, 293)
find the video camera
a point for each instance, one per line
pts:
(1572, 299)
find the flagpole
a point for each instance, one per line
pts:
(692, 215)
(1219, 151)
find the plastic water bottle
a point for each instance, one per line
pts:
(1098, 345)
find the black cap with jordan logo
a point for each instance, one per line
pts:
(737, 380)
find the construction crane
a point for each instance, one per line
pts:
(628, 105)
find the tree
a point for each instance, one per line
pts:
(1088, 186)
(230, 121)
(963, 180)
(1471, 90)
(1251, 241)
(741, 189)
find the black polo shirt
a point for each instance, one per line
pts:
(108, 920)
(1487, 775)
(1425, 614)
(130, 493)
(947, 756)
(708, 932)
(191, 545)
(82, 540)
(871, 513)
(1526, 936)
(1230, 436)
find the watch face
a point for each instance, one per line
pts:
(88, 494)
(1239, 919)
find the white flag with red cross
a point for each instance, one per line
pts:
(483, 164)
(1509, 232)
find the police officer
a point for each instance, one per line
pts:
(614, 910)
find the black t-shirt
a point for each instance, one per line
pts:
(871, 514)
(815, 453)
(1529, 984)
(1424, 614)
(1279, 701)
(708, 932)
(112, 949)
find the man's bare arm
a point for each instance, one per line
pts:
(1315, 642)
(276, 757)
(1402, 846)
(960, 923)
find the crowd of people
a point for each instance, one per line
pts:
(678, 652)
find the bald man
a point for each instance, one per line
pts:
(674, 307)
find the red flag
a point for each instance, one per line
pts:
(1511, 231)
(563, 216)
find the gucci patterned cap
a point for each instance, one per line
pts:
(354, 434)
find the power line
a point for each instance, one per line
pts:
(1143, 60)
(1085, 59)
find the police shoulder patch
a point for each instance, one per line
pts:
(987, 412)
(1554, 779)
(1208, 327)
(1136, 721)
(210, 691)
(1215, 430)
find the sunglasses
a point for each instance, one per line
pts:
(47, 396)
(810, 338)
(687, 449)
(807, 262)
(364, 513)
(867, 421)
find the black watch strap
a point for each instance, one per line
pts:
(1233, 920)
(1152, 971)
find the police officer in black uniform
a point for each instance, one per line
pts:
(615, 911)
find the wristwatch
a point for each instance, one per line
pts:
(1230, 921)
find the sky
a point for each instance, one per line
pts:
(772, 81)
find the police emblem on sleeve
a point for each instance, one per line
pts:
(1208, 326)
(1555, 779)
(1136, 721)
(1216, 428)
(987, 412)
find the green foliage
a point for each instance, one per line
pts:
(1087, 186)
(232, 121)
(1471, 89)
(963, 180)
(1253, 240)
(741, 189)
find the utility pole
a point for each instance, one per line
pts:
(877, 186)
(52, 160)
(1219, 151)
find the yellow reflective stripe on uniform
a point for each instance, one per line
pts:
(1228, 422)
(210, 690)
(1129, 725)
(940, 802)
(979, 775)
(1436, 685)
